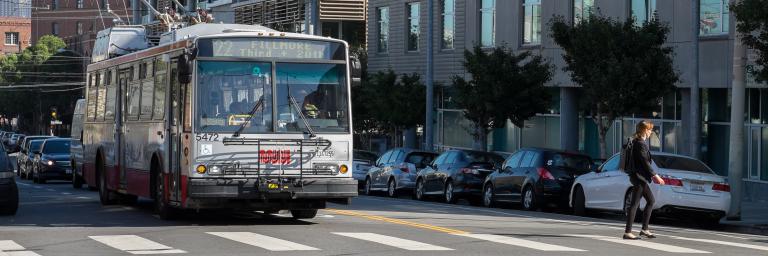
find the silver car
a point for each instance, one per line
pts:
(396, 171)
(361, 162)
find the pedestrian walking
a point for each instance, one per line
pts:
(638, 167)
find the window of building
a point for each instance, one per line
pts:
(79, 28)
(80, 4)
(383, 20)
(54, 4)
(449, 25)
(12, 38)
(713, 17)
(413, 26)
(55, 28)
(582, 9)
(532, 23)
(643, 10)
(487, 23)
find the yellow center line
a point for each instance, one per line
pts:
(397, 221)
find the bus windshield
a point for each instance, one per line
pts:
(228, 93)
(320, 93)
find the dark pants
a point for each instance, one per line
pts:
(640, 189)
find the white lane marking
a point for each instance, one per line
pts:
(66, 193)
(11, 248)
(23, 184)
(262, 241)
(38, 187)
(522, 243)
(82, 197)
(52, 190)
(135, 244)
(395, 242)
(20, 253)
(749, 246)
(644, 244)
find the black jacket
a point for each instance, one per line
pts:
(641, 159)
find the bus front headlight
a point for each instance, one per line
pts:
(201, 169)
(215, 170)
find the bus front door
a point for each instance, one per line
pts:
(174, 110)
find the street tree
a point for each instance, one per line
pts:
(622, 68)
(752, 23)
(503, 86)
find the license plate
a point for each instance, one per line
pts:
(69, 171)
(697, 187)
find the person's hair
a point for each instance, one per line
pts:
(643, 126)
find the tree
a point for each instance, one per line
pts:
(622, 68)
(752, 23)
(504, 85)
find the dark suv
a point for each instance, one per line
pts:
(535, 177)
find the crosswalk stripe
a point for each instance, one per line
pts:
(265, 242)
(19, 253)
(135, 244)
(522, 243)
(11, 248)
(395, 242)
(644, 244)
(749, 246)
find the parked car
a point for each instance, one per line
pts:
(361, 162)
(396, 170)
(53, 162)
(9, 193)
(535, 177)
(13, 143)
(76, 149)
(6, 137)
(691, 188)
(456, 173)
(32, 150)
(24, 157)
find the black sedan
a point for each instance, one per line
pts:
(455, 174)
(534, 177)
(9, 193)
(53, 161)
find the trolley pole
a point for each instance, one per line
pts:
(428, 124)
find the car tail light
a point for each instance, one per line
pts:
(404, 168)
(670, 181)
(469, 171)
(721, 187)
(545, 174)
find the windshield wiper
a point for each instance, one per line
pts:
(301, 115)
(250, 116)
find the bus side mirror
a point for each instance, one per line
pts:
(356, 70)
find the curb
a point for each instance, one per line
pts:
(753, 229)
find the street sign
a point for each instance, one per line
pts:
(55, 122)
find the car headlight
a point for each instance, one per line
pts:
(214, 170)
(49, 162)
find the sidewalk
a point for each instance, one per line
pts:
(754, 219)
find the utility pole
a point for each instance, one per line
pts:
(428, 127)
(736, 150)
(695, 118)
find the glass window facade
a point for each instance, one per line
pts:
(487, 23)
(383, 21)
(449, 24)
(582, 9)
(414, 27)
(713, 17)
(532, 22)
(643, 10)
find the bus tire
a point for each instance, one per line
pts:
(304, 214)
(163, 210)
(129, 199)
(106, 197)
(77, 182)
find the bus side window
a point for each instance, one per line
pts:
(92, 94)
(102, 94)
(160, 88)
(111, 97)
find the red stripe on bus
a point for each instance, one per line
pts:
(138, 182)
(184, 191)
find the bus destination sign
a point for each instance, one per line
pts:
(273, 48)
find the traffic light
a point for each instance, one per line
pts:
(54, 115)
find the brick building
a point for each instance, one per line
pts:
(76, 21)
(15, 26)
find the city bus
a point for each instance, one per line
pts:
(220, 116)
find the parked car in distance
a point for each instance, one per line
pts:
(32, 150)
(361, 162)
(6, 137)
(396, 170)
(53, 162)
(76, 148)
(9, 193)
(457, 173)
(24, 158)
(691, 189)
(13, 143)
(535, 177)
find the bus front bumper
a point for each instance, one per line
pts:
(272, 188)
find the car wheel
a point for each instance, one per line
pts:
(391, 188)
(34, 176)
(304, 214)
(579, 205)
(529, 200)
(419, 193)
(448, 194)
(488, 196)
(367, 188)
(77, 182)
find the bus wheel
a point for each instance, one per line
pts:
(304, 214)
(77, 182)
(105, 196)
(129, 199)
(163, 210)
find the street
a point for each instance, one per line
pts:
(55, 219)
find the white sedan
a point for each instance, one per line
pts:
(691, 188)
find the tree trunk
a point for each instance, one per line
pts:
(480, 137)
(603, 145)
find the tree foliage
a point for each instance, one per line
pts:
(504, 85)
(752, 23)
(622, 68)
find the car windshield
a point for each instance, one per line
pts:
(35, 145)
(478, 157)
(227, 93)
(56, 147)
(681, 163)
(420, 159)
(320, 92)
(569, 161)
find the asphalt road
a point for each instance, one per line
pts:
(55, 219)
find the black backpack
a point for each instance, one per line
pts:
(625, 162)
